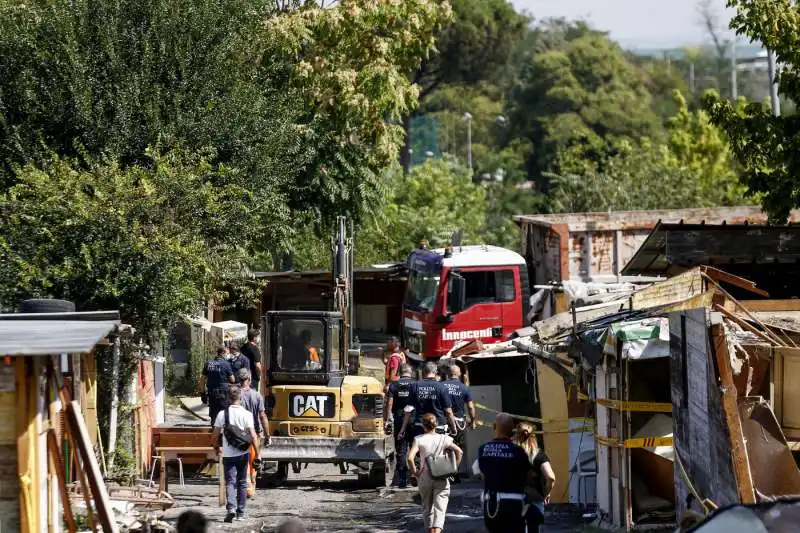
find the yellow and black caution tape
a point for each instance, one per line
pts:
(646, 442)
(639, 407)
(588, 424)
(586, 428)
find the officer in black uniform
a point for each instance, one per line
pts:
(218, 375)
(398, 396)
(428, 396)
(505, 468)
(461, 400)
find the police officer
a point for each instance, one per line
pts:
(505, 468)
(218, 375)
(398, 396)
(428, 396)
(238, 360)
(461, 400)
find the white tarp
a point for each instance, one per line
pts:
(228, 331)
(641, 339)
(49, 337)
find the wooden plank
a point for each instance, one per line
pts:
(736, 281)
(554, 409)
(94, 477)
(676, 289)
(789, 391)
(766, 306)
(57, 461)
(741, 464)
(89, 394)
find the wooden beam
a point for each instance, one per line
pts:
(555, 414)
(730, 408)
(55, 456)
(80, 434)
(736, 281)
(770, 305)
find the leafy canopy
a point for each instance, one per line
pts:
(267, 112)
(767, 147)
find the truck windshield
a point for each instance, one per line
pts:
(301, 345)
(421, 290)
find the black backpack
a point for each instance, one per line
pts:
(237, 437)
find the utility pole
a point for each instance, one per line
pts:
(734, 74)
(468, 118)
(773, 86)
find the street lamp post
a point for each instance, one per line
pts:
(468, 118)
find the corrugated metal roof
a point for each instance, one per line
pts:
(629, 220)
(47, 337)
(673, 248)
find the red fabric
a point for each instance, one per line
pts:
(393, 366)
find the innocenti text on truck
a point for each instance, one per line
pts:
(462, 293)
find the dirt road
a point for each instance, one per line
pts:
(326, 500)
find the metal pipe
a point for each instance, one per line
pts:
(773, 86)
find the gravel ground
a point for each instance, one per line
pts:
(325, 500)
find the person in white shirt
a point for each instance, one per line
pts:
(234, 458)
(434, 493)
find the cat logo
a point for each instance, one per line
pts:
(311, 405)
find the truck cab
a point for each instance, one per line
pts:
(462, 293)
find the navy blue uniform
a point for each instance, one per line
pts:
(460, 395)
(430, 396)
(218, 373)
(400, 392)
(239, 362)
(505, 468)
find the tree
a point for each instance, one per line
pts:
(767, 147)
(473, 47)
(436, 199)
(149, 240)
(571, 100)
(694, 167)
(288, 114)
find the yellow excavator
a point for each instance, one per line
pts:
(320, 410)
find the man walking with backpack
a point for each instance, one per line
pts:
(235, 426)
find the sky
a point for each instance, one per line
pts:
(634, 23)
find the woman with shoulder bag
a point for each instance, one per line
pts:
(537, 493)
(439, 459)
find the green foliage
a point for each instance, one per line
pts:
(150, 148)
(693, 168)
(434, 200)
(149, 240)
(474, 46)
(576, 96)
(767, 147)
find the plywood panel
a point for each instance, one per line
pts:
(791, 392)
(489, 396)
(553, 402)
(702, 443)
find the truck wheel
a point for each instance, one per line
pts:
(275, 479)
(380, 473)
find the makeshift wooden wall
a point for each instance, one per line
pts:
(701, 437)
(144, 414)
(9, 489)
(553, 398)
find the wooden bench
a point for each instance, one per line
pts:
(187, 445)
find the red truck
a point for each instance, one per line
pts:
(462, 293)
(483, 292)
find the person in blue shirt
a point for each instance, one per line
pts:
(505, 468)
(217, 374)
(237, 360)
(461, 400)
(398, 396)
(428, 396)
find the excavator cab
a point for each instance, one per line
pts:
(305, 347)
(318, 411)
